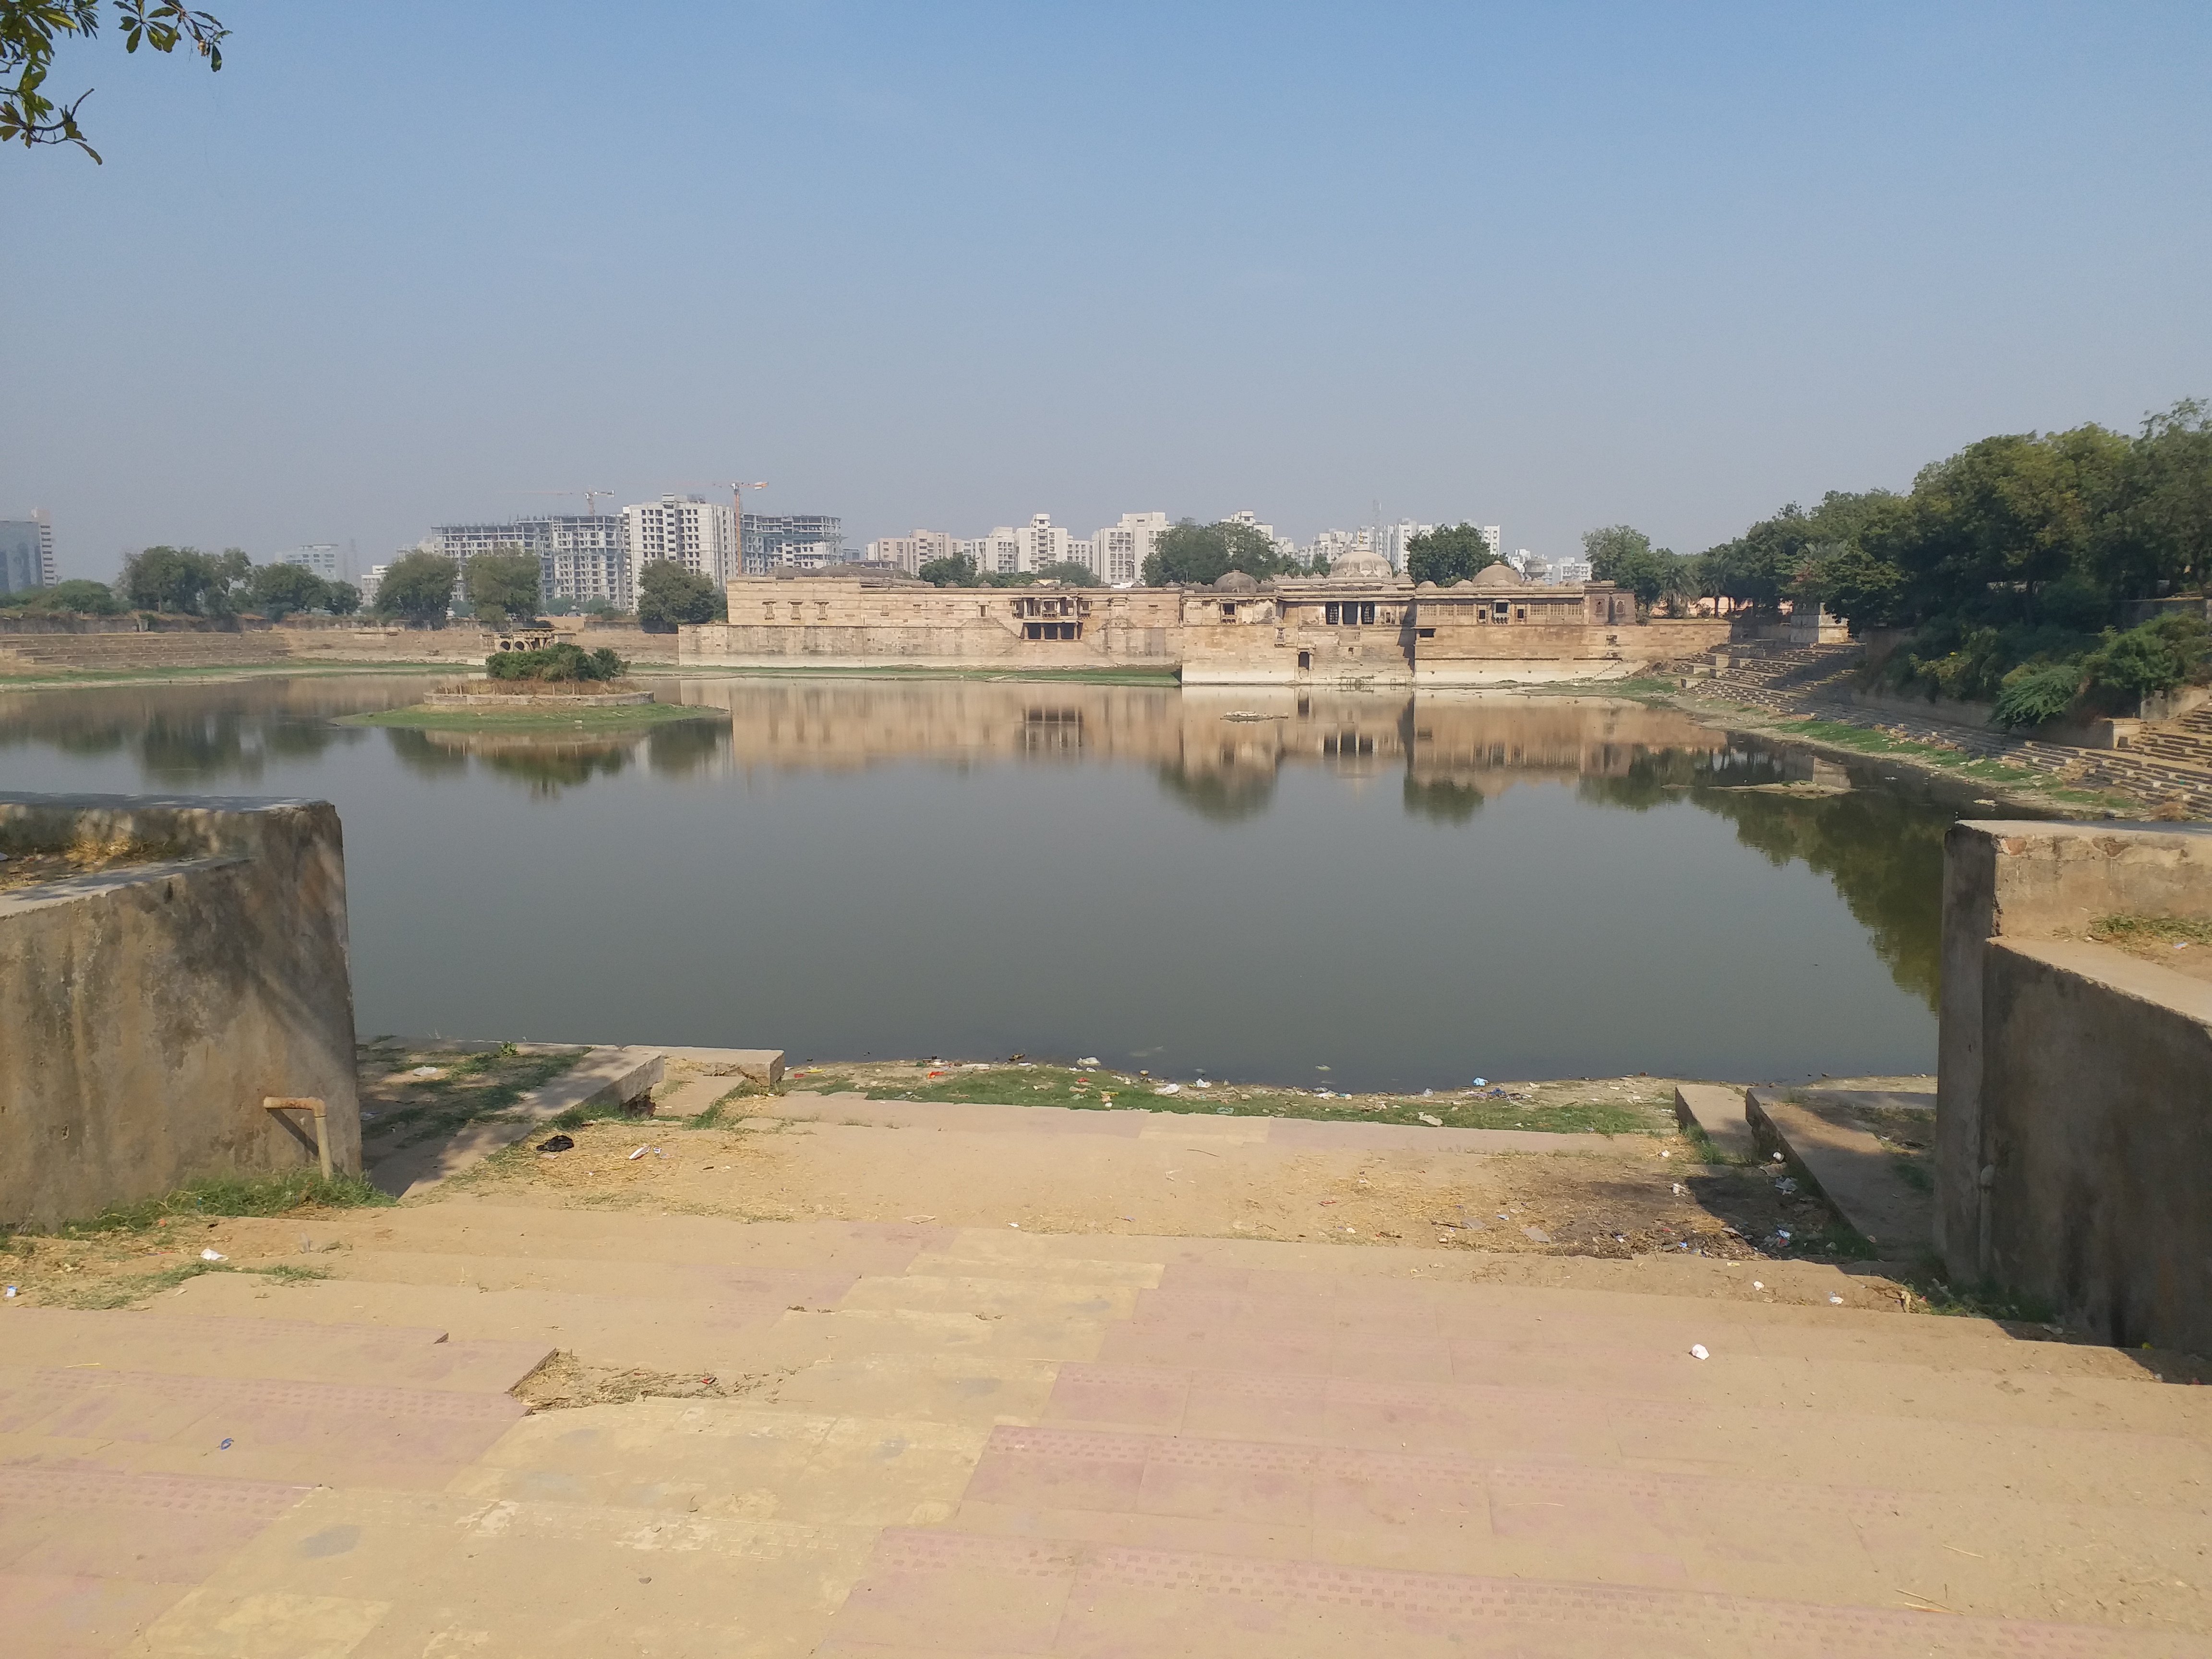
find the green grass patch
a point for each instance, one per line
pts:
(1985, 1300)
(473, 1087)
(1110, 1090)
(2151, 930)
(636, 716)
(276, 1193)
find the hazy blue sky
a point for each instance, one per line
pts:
(1552, 266)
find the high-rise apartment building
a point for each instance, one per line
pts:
(316, 558)
(27, 553)
(791, 541)
(910, 553)
(581, 557)
(1119, 551)
(1115, 554)
(698, 534)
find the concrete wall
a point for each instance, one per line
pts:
(2074, 1122)
(148, 1010)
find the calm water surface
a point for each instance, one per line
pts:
(1372, 891)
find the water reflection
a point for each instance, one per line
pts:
(1477, 779)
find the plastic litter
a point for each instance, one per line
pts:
(1169, 1089)
(1838, 1300)
(1785, 1185)
(1756, 1286)
(1482, 1083)
(636, 1155)
(556, 1144)
(1778, 1157)
(1698, 1350)
(10, 1295)
(1433, 1122)
(1201, 1084)
(1014, 1224)
(1678, 1189)
(1428, 1094)
(1537, 1234)
(226, 1445)
(424, 1070)
(211, 1255)
(1225, 1111)
(1093, 1060)
(1666, 1154)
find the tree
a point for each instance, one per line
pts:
(1606, 548)
(1069, 572)
(418, 589)
(503, 583)
(1199, 555)
(278, 589)
(343, 599)
(27, 29)
(78, 595)
(182, 580)
(1450, 553)
(668, 595)
(955, 570)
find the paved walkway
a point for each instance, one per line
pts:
(897, 1441)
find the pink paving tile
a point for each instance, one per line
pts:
(1126, 1601)
(1229, 1480)
(959, 1591)
(1400, 1492)
(1055, 1469)
(76, 1616)
(1151, 1345)
(170, 1528)
(1242, 1406)
(1127, 1397)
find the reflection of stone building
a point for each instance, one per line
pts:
(1239, 739)
(1361, 625)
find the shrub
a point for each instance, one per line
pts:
(561, 661)
(2038, 694)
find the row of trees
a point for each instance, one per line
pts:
(958, 570)
(186, 581)
(1198, 554)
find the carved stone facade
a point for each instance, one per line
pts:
(1370, 628)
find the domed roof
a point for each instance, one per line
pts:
(1237, 582)
(1500, 575)
(1360, 565)
(1427, 587)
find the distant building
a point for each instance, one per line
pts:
(693, 532)
(371, 582)
(791, 541)
(27, 553)
(1490, 536)
(1565, 572)
(910, 553)
(581, 555)
(1119, 551)
(318, 558)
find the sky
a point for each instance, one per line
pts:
(945, 266)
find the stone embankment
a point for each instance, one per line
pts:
(44, 653)
(2165, 766)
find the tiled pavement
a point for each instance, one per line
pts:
(990, 1444)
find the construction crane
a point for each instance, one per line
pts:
(591, 497)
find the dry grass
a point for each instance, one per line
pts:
(87, 855)
(565, 1382)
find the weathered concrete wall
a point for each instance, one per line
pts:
(148, 1010)
(2074, 1120)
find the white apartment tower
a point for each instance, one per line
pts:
(1120, 550)
(698, 534)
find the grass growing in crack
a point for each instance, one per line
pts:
(276, 1193)
(1104, 1089)
(2151, 930)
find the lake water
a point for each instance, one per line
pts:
(1367, 892)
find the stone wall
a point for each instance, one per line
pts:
(2074, 1122)
(148, 1010)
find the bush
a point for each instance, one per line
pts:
(562, 661)
(2038, 694)
(75, 595)
(668, 595)
(2153, 657)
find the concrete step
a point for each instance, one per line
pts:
(394, 1356)
(1867, 1446)
(245, 1428)
(377, 1575)
(940, 1593)
(1716, 1110)
(1861, 1180)
(1980, 1552)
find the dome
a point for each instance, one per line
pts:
(1500, 575)
(1237, 582)
(1427, 587)
(1360, 566)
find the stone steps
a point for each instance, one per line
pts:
(976, 1442)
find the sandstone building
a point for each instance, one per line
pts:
(1361, 625)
